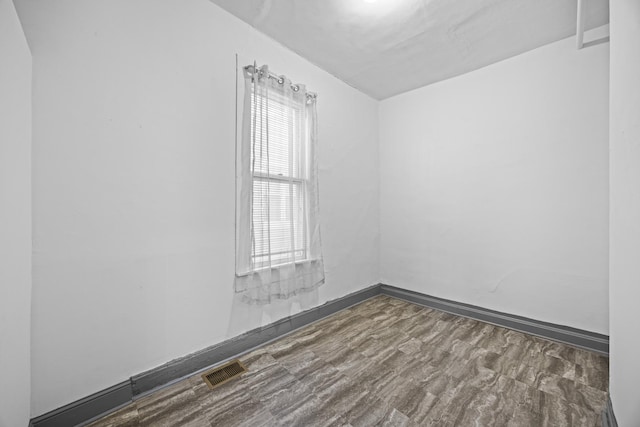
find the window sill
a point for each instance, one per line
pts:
(275, 267)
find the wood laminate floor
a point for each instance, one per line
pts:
(389, 362)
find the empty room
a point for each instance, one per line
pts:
(319, 213)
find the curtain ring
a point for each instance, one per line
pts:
(281, 80)
(295, 88)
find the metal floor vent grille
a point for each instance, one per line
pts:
(220, 375)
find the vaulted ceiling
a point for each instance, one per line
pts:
(386, 47)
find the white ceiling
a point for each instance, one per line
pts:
(391, 46)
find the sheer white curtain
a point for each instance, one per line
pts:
(278, 249)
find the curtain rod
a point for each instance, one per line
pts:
(280, 79)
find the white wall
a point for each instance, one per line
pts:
(134, 109)
(624, 278)
(15, 219)
(494, 186)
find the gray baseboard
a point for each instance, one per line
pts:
(103, 402)
(85, 409)
(608, 417)
(187, 365)
(576, 337)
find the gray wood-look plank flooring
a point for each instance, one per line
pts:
(390, 362)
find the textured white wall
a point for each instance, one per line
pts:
(494, 186)
(15, 219)
(134, 184)
(624, 278)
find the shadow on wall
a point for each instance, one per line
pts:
(246, 316)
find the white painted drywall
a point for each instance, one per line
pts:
(624, 267)
(494, 186)
(134, 110)
(15, 219)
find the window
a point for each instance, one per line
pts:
(278, 245)
(279, 172)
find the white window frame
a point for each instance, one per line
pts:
(301, 139)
